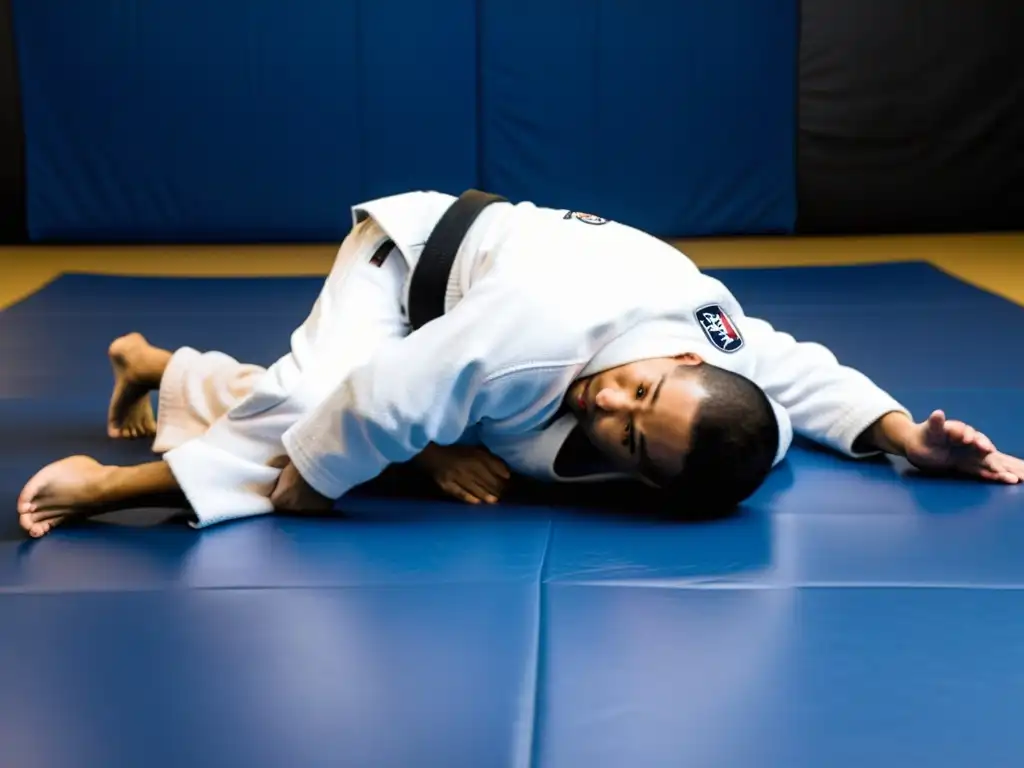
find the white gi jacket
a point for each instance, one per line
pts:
(537, 298)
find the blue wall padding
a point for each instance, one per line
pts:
(250, 120)
(676, 116)
(419, 98)
(239, 119)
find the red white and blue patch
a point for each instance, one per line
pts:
(586, 218)
(719, 328)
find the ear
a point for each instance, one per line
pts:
(689, 358)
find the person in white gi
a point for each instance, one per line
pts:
(553, 320)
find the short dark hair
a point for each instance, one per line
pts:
(732, 449)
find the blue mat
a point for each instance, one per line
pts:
(847, 615)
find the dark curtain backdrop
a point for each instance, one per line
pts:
(12, 142)
(911, 115)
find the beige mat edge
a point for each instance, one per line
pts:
(993, 262)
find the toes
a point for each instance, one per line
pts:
(30, 493)
(43, 527)
(32, 526)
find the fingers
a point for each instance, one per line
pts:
(473, 475)
(936, 421)
(473, 484)
(485, 479)
(491, 482)
(491, 462)
(997, 476)
(1012, 464)
(498, 467)
(479, 491)
(456, 490)
(984, 444)
(964, 435)
(1002, 468)
(954, 430)
(483, 485)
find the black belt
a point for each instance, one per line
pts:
(429, 283)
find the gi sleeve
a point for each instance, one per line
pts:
(430, 386)
(829, 403)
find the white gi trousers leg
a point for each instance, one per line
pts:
(220, 422)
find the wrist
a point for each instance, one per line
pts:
(895, 432)
(428, 456)
(891, 434)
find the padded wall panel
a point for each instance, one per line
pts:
(911, 115)
(183, 120)
(677, 116)
(12, 145)
(419, 100)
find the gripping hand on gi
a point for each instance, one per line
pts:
(466, 472)
(293, 494)
(942, 446)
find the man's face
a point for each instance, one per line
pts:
(640, 416)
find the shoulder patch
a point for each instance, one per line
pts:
(719, 328)
(586, 218)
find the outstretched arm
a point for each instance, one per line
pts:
(840, 407)
(827, 402)
(469, 473)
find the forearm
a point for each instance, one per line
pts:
(827, 402)
(889, 434)
(390, 411)
(429, 387)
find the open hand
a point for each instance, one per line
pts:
(1002, 468)
(466, 472)
(939, 445)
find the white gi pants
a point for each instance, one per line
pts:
(220, 422)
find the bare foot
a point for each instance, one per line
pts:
(64, 489)
(131, 413)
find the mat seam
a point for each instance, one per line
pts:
(529, 744)
(822, 585)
